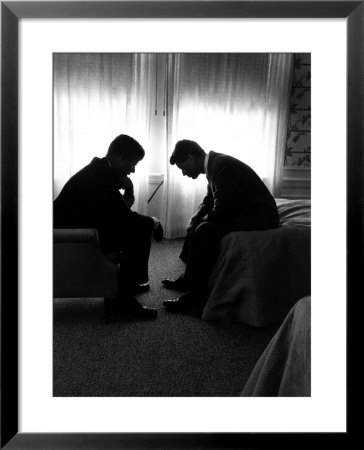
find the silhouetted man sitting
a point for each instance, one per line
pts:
(92, 199)
(237, 199)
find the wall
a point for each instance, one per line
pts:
(296, 181)
(158, 140)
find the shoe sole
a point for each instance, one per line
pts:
(175, 288)
(140, 290)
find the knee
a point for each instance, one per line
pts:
(204, 230)
(141, 230)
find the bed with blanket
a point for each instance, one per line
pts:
(260, 275)
(284, 368)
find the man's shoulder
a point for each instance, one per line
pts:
(91, 174)
(96, 167)
(96, 164)
(219, 160)
(216, 158)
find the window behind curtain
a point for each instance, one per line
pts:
(97, 97)
(231, 103)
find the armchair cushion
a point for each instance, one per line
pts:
(80, 269)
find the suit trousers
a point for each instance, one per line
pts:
(133, 258)
(136, 251)
(200, 251)
(202, 246)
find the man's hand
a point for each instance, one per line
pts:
(194, 223)
(158, 230)
(191, 228)
(126, 183)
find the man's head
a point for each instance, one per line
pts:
(188, 157)
(123, 154)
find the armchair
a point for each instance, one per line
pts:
(81, 270)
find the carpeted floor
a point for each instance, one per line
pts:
(173, 355)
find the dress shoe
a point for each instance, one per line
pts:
(187, 302)
(177, 285)
(130, 306)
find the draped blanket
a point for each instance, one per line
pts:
(295, 213)
(284, 369)
(260, 275)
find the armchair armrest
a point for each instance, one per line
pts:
(75, 235)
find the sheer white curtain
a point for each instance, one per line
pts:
(231, 103)
(97, 97)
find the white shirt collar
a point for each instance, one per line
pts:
(206, 163)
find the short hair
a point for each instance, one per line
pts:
(183, 149)
(126, 145)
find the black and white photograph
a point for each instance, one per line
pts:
(182, 224)
(165, 225)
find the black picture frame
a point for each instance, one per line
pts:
(11, 12)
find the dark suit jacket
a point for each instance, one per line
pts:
(91, 199)
(236, 195)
